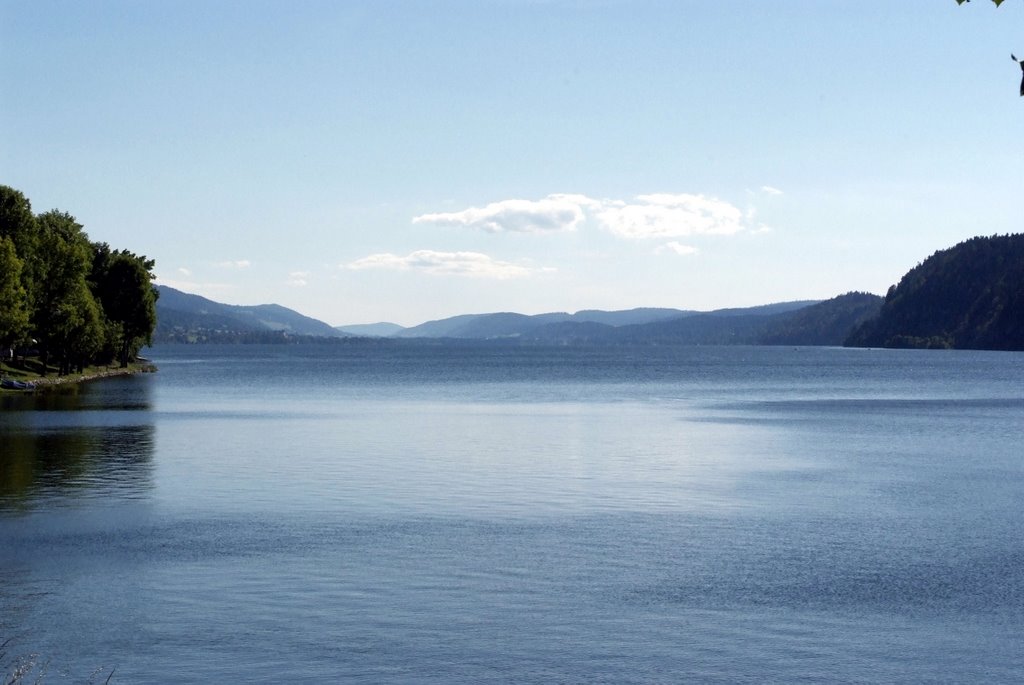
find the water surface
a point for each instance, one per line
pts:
(479, 513)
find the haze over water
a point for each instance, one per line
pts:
(480, 513)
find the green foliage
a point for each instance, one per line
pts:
(65, 316)
(18, 224)
(14, 310)
(970, 296)
(83, 303)
(17, 221)
(123, 283)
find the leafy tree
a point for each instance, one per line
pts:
(123, 283)
(65, 317)
(14, 311)
(81, 301)
(18, 224)
(76, 331)
(17, 221)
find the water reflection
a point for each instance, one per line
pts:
(89, 441)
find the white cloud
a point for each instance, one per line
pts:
(472, 264)
(675, 247)
(655, 215)
(298, 279)
(234, 264)
(668, 215)
(770, 190)
(553, 213)
(184, 271)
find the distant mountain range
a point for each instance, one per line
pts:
(970, 296)
(508, 324)
(185, 318)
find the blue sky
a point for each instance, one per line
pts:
(407, 161)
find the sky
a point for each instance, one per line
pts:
(408, 161)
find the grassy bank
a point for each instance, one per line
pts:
(31, 370)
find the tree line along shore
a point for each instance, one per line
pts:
(68, 306)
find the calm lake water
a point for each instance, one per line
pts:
(480, 514)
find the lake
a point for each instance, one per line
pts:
(481, 513)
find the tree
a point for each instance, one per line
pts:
(14, 311)
(18, 224)
(81, 301)
(17, 221)
(76, 330)
(123, 283)
(65, 318)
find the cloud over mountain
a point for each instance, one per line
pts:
(656, 215)
(668, 215)
(474, 264)
(553, 213)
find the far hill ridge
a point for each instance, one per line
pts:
(187, 318)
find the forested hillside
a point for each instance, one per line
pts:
(73, 301)
(187, 318)
(785, 323)
(825, 323)
(970, 296)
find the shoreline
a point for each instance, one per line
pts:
(46, 383)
